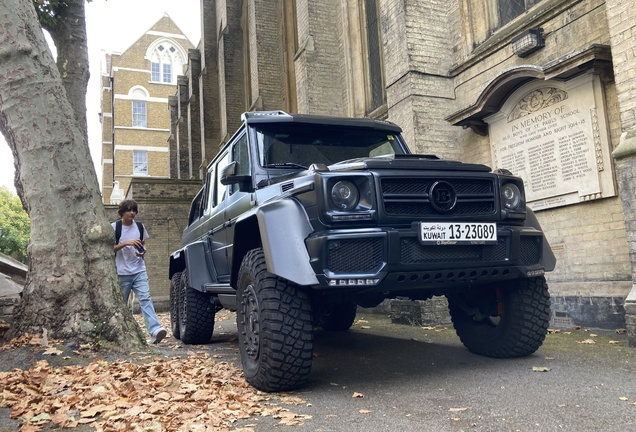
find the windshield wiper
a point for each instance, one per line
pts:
(285, 165)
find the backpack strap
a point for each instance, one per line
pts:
(140, 227)
(117, 231)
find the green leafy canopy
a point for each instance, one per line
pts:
(15, 225)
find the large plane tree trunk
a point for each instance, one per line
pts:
(68, 31)
(72, 289)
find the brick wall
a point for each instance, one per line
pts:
(621, 18)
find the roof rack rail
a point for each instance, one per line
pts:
(262, 114)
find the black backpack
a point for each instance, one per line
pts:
(118, 230)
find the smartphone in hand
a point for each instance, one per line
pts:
(141, 249)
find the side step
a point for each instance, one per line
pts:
(218, 289)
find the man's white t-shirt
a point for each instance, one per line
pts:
(126, 260)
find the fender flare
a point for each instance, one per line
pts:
(193, 259)
(284, 226)
(549, 259)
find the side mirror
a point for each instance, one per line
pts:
(229, 176)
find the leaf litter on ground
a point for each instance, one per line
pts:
(181, 393)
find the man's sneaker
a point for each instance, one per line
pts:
(158, 336)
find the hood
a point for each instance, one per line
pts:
(406, 162)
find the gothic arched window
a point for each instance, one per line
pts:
(165, 62)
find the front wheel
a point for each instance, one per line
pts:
(503, 321)
(196, 314)
(275, 329)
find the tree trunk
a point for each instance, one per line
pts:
(72, 288)
(69, 36)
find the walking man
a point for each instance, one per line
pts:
(130, 243)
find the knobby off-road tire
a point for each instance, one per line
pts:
(338, 317)
(196, 314)
(274, 326)
(523, 315)
(175, 293)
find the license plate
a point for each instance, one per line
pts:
(442, 233)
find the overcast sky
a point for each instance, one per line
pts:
(114, 25)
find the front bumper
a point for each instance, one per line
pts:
(386, 259)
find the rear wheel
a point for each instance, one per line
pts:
(175, 289)
(338, 317)
(196, 314)
(503, 321)
(275, 327)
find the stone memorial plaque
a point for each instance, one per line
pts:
(554, 136)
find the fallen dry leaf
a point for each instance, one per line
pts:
(621, 331)
(587, 341)
(52, 351)
(365, 327)
(193, 392)
(364, 411)
(577, 327)
(593, 335)
(549, 358)
(540, 369)
(614, 342)
(554, 330)
(623, 398)
(457, 409)
(357, 395)
(455, 419)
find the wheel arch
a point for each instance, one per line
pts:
(193, 259)
(280, 228)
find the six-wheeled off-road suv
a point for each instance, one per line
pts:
(302, 218)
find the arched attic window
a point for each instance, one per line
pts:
(166, 61)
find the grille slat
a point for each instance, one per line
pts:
(413, 252)
(409, 197)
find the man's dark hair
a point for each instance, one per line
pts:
(127, 205)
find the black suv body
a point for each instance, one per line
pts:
(302, 218)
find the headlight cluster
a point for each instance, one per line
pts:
(345, 195)
(511, 196)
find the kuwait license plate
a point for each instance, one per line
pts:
(442, 233)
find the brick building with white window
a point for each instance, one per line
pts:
(136, 84)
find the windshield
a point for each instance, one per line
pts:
(297, 146)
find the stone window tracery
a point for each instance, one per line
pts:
(165, 62)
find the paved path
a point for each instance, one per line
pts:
(419, 379)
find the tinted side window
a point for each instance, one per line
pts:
(241, 155)
(210, 181)
(221, 190)
(195, 207)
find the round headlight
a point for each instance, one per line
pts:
(345, 195)
(511, 196)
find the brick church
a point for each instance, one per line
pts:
(540, 87)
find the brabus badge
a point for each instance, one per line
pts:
(443, 196)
